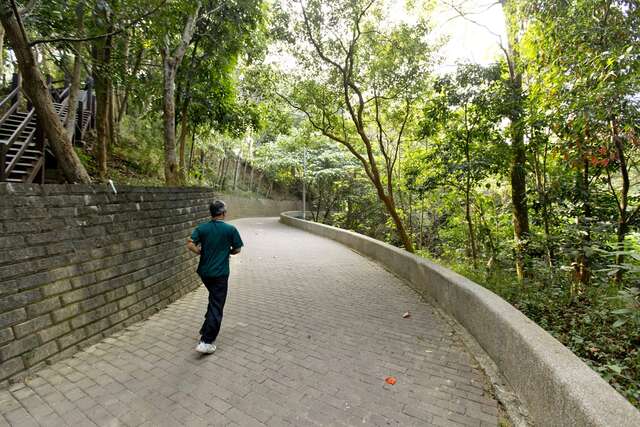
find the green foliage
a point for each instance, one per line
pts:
(139, 154)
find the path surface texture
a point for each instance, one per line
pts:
(310, 332)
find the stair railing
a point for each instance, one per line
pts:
(12, 100)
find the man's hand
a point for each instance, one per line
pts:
(193, 248)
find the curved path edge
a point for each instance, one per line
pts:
(554, 384)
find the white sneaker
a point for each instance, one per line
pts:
(205, 348)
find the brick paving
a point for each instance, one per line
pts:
(311, 331)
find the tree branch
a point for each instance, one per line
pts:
(100, 36)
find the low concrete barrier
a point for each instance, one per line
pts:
(557, 388)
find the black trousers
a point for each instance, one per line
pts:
(217, 287)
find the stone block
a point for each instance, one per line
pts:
(84, 280)
(54, 332)
(85, 318)
(66, 312)
(127, 301)
(118, 317)
(20, 299)
(75, 296)
(116, 294)
(18, 255)
(12, 317)
(97, 327)
(11, 242)
(92, 303)
(11, 367)
(72, 338)
(31, 326)
(40, 353)
(44, 306)
(6, 334)
(56, 288)
(8, 287)
(17, 347)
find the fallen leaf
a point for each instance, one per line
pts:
(390, 380)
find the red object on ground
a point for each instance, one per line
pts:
(390, 380)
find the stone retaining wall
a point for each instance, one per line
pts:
(555, 385)
(78, 262)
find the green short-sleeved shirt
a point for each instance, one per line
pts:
(216, 239)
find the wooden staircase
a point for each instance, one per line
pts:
(22, 144)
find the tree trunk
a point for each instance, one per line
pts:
(235, 173)
(171, 168)
(583, 272)
(543, 199)
(170, 62)
(1, 50)
(38, 93)
(421, 232)
(74, 91)
(259, 183)
(623, 199)
(111, 117)
(519, 194)
(193, 143)
(391, 208)
(518, 149)
(472, 235)
(122, 109)
(182, 140)
(101, 83)
(201, 164)
(467, 192)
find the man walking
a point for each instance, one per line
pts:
(214, 241)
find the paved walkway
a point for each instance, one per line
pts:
(311, 331)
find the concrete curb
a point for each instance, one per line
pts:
(557, 388)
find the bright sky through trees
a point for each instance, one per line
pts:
(470, 41)
(474, 38)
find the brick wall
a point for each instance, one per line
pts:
(78, 262)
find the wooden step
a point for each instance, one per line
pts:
(29, 158)
(9, 132)
(32, 154)
(24, 165)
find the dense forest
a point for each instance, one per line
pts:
(521, 174)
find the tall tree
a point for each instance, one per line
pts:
(38, 93)
(360, 86)
(102, 52)
(516, 115)
(172, 55)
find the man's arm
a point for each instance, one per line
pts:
(236, 242)
(192, 247)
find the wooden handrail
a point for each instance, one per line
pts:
(9, 142)
(20, 152)
(64, 94)
(3, 162)
(9, 97)
(9, 112)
